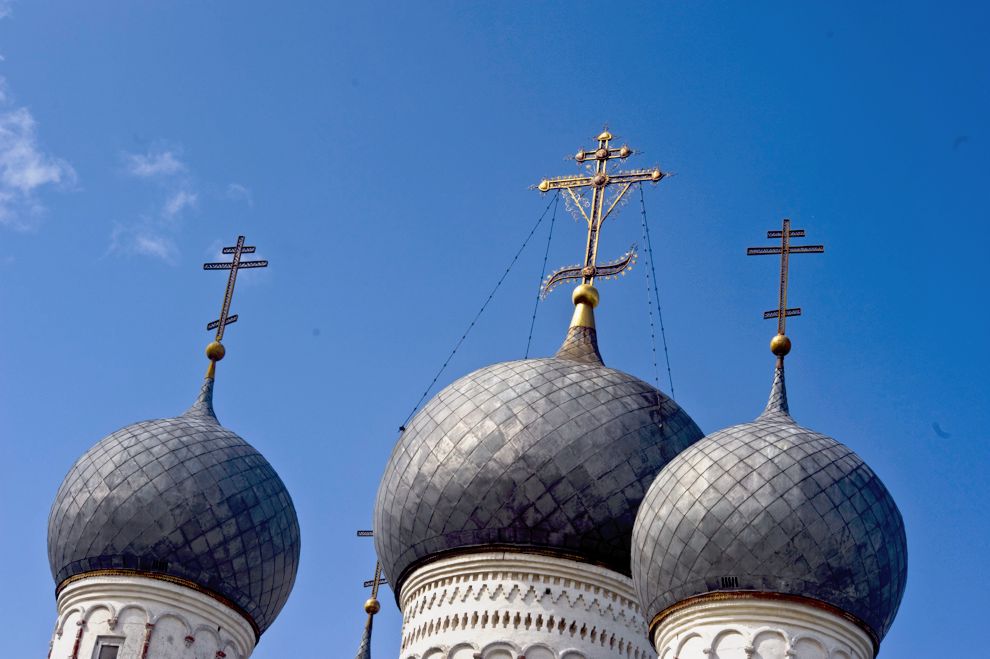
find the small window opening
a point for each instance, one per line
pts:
(108, 652)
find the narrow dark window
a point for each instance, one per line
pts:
(108, 652)
(730, 582)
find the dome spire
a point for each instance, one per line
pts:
(780, 344)
(581, 342)
(215, 350)
(371, 605)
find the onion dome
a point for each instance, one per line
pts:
(547, 455)
(770, 508)
(182, 499)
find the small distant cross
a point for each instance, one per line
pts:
(597, 213)
(378, 580)
(234, 265)
(785, 250)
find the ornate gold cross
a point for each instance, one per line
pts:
(781, 346)
(234, 265)
(598, 182)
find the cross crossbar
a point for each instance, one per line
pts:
(216, 323)
(776, 313)
(241, 265)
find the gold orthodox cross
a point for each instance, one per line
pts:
(599, 182)
(234, 265)
(785, 250)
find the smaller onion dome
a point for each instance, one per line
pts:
(770, 507)
(182, 499)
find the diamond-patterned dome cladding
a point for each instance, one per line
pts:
(780, 508)
(184, 497)
(541, 453)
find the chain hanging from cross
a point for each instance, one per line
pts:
(597, 212)
(215, 351)
(781, 345)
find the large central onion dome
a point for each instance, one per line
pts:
(546, 455)
(771, 508)
(182, 499)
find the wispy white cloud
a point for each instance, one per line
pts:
(25, 168)
(238, 192)
(153, 233)
(178, 202)
(143, 240)
(154, 164)
(6, 8)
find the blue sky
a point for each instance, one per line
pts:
(380, 156)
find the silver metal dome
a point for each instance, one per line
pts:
(548, 454)
(182, 497)
(771, 507)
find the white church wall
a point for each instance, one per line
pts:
(506, 605)
(754, 628)
(146, 619)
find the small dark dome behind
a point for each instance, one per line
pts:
(776, 508)
(553, 454)
(183, 497)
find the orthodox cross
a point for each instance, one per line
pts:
(785, 250)
(379, 580)
(597, 213)
(234, 265)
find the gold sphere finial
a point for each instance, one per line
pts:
(656, 175)
(372, 606)
(780, 345)
(605, 136)
(586, 294)
(215, 351)
(544, 185)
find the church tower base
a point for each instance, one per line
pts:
(129, 616)
(509, 605)
(738, 625)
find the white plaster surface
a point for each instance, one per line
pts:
(759, 629)
(506, 605)
(176, 621)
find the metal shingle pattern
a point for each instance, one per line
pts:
(545, 453)
(185, 497)
(781, 508)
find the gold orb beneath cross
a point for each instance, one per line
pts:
(780, 345)
(215, 351)
(586, 294)
(372, 606)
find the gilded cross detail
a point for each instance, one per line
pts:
(785, 250)
(234, 265)
(598, 209)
